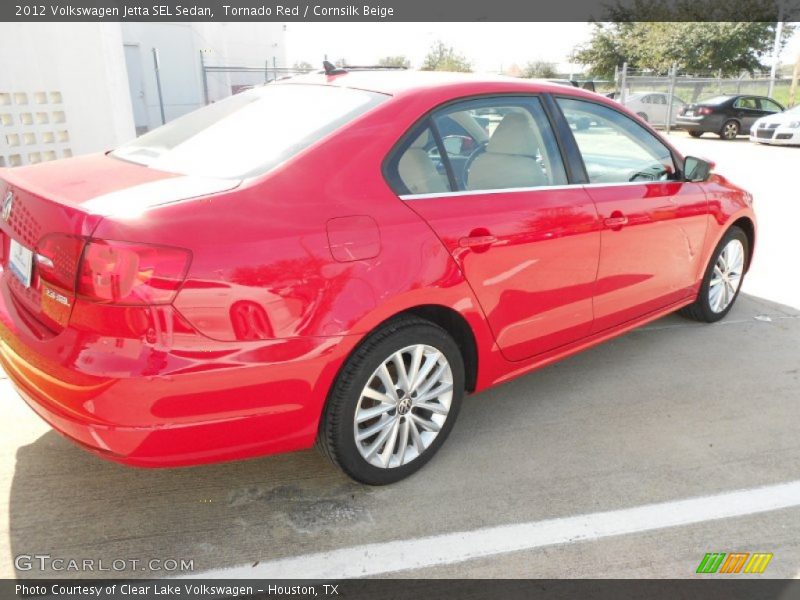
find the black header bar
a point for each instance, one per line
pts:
(398, 10)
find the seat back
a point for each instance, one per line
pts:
(510, 157)
(417, 170)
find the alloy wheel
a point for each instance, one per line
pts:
(403, 406)
(727, 276)
(730, 130)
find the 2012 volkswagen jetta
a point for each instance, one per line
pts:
(340, 257)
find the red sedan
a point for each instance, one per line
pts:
(339, 258)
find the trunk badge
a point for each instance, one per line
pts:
(8, 203)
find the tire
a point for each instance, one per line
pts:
(695, 134)
(642, 116)
(704, 309)
(338, 426)
(729, 131)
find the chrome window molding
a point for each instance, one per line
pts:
(541, 188)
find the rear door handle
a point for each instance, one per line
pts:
(474, 241)
(616, 222)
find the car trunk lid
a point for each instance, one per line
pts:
(48, 212)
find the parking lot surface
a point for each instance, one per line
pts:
(671, 412)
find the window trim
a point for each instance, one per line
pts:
(540, 188)
(401, 145)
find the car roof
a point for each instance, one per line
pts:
(395, 82)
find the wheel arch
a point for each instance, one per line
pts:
(746, 224)
(728, 120)
(449, 319)
(459, 329)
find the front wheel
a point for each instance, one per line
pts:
(642, 116)
(394, 402)
(729, 130)
(695, 134)
(722, 280)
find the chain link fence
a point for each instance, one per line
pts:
(221, 81)
(660, 97)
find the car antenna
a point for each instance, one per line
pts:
(331, 69)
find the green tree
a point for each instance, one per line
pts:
(444, 58)
(539, 69)
(641, 34)
(394, 61)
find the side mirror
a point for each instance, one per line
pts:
(457, 145)
(696, 169)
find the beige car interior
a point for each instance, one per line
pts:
(418, 171)
(512, 159)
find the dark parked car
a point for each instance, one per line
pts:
(727, 116)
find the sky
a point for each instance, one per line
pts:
(490, 46)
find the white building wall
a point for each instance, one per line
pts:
(63, 91)
(179, 46)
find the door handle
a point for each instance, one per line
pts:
(477, 241)
(616, 221)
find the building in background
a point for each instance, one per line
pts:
(249, 50)
(87, 87)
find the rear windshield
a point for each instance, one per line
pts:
(249, 133)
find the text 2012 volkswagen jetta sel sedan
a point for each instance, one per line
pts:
(340, 257)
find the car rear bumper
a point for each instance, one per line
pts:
(261, 398)
(684, 123)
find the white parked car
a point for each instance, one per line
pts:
(652, 106)
(781, 129)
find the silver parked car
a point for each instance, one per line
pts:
(652, 106)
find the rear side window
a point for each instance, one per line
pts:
(419, 169)
(488, 144)
(506, 143)
(615, 149)
(249, 133)
(750, 103)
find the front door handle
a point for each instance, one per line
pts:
(616, 221)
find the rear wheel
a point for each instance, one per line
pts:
(695, 134)
(394, 402)
(722, 280)
(729, 130)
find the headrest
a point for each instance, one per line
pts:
(513, 135)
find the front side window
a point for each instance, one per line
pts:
(770, 106)
(503, 143)
(615, 149)
(249, 133)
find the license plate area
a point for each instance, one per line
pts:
(20, 261)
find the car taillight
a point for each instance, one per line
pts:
(57, 257)
(131, 274)
(704, 110)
